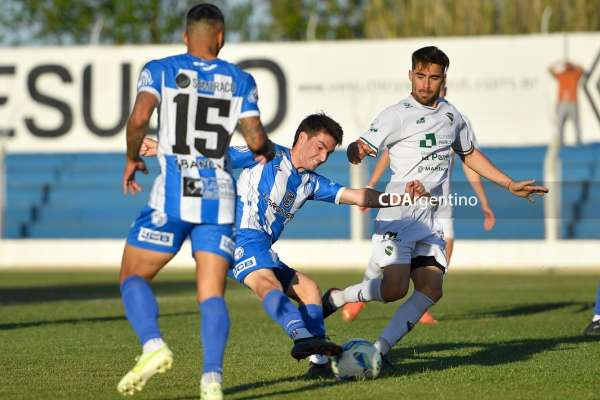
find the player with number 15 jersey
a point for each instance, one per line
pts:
(200, 104)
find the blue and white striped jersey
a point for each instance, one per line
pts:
(268, 195)
(200, 103)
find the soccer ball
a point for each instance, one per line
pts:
(359, 360)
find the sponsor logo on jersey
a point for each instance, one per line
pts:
(390, 236)
(450, 117)
(437, 168)
(156, 237)
(435, 157)
(238, 253)
(288, 199)
(421, 120)
(244, 265)
(429, 141)
(145, 79)
(226, 244)
(407, 105)
(192, 187)
(310, 185)
(158, 218)
(277, 208)
(205, 67)
(182, 80)
(214, 86)
(199, 164)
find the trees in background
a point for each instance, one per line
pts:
(161, 21)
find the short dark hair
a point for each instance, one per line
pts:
(430, 55)
(204, 12)
(315, 123)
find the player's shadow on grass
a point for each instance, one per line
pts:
(95, 291)
(423, 358)
(33, 324)
(522, 310)
(231, 391)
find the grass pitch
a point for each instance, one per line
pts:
(500, 336)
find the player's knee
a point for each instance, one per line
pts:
(433, 293)
(393, 292)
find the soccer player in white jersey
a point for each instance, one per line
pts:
(200, 99)
(444, 215)
(268, 196)
(422, 133)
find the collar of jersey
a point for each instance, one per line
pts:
(419, 105)
(288, 154)
(193, 57)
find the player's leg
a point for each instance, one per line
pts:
(395, 256)
(594, 327)
(212, 247)
(351, 310)
(152, 242)
(427, 268)
(280, 308)
(307, 294)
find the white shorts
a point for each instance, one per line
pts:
(447, 227)
(394, 243)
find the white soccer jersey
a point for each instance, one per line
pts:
(445, 210)
(421, 141)
(201, 102)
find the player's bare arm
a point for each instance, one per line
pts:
(358, 150)
(479, 163)
(137, 124)
(256, 138)
(372, 198)
(489, 218)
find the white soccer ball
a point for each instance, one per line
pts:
(359, 360)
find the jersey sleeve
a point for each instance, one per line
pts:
(326, 190)
(463, 144)
(249, 98)
(380, 129)
(472, 137)
(150, 79)
(240, 157)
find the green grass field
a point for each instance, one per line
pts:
(500, 336)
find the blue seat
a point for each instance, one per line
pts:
(587, 229)
(106, 229)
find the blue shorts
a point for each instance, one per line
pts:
(253, 252)
(157, 231)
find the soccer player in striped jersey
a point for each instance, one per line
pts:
(200, 100)
(268, 196)
(422, 134)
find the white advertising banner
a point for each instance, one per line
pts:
(78, 98)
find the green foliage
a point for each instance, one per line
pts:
(500, 336)
(161, 21)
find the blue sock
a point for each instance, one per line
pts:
(597, 308)
(281, 310)
(141, 308)
(312, 314)
(214, 330)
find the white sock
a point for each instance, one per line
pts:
(153, 345)
(318, 359)
(210, 377)
(365, 291)
(595, 318)
(382, 346)
(373, 271)
(405, 317)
